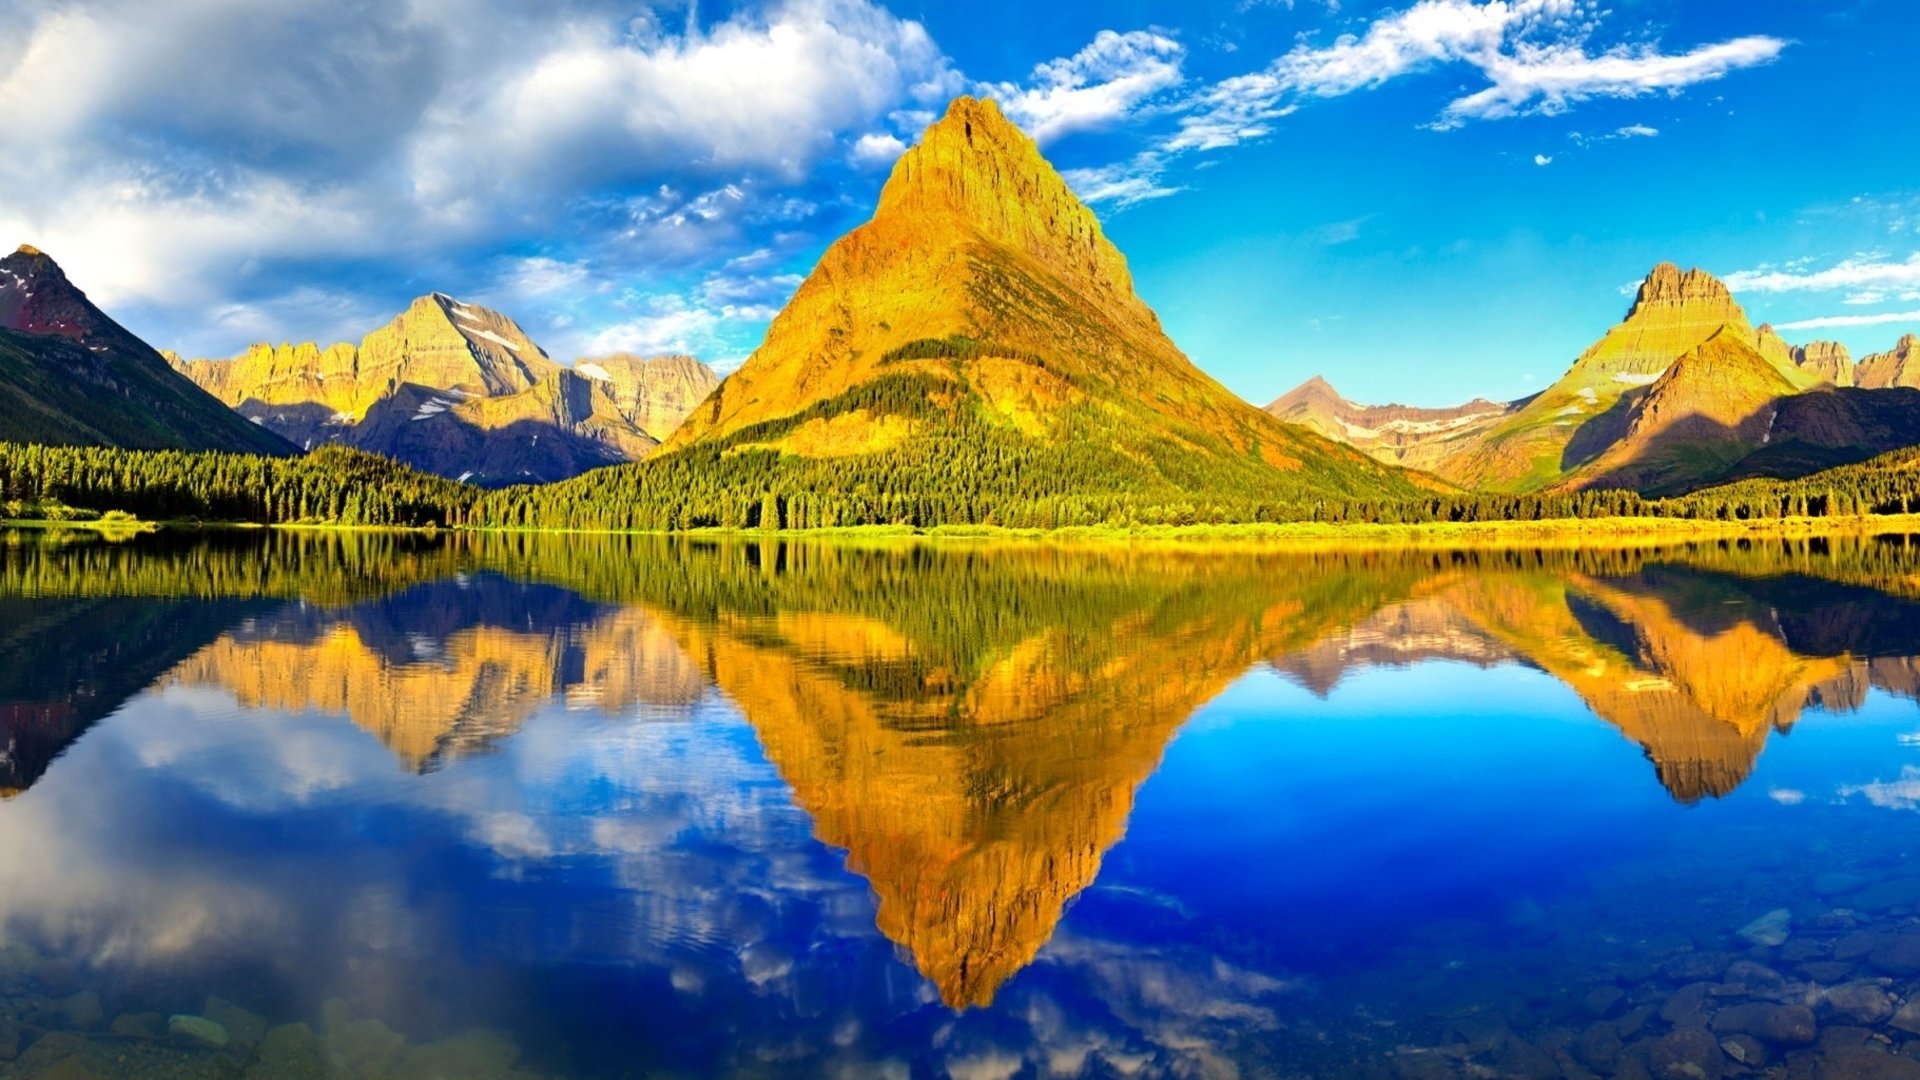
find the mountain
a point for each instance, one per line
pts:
(655, 392)
(976, 351)
(460, 390)
(1396, 434)
(1684, 393)
(1827, 359)
(1583, 415)
(69, 374)
(1898, 366)
(1699, 418)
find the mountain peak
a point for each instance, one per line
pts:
(1667, 285)
(974, 168)
(28, 250)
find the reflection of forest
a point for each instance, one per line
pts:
(970, 724)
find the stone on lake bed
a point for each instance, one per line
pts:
(1768, 930)
(1897, 955)
(197, 1029)
(1908, 1018)
(1781, 1025)
(1866, 1064)
(1859, 1002)
(1744, 1049)
(1887, 896)
(1835, 882)
(1687, 1054)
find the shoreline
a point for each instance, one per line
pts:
(1557, 532)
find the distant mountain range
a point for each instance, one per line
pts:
(460, 390)
(974, 354)
(70, 374)
(1682, 394)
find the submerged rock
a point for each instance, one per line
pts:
(1781, 1025)
(1744, 1049)
(1858, 1002)
(290, 1052)
(79, 1011)
(139, 1025)
(197, 1029)
(1768, 930)
(1865, 1064)
(1687, 1054)
(245, 1029)
(1908, 1018)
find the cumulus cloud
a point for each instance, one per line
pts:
(1536, 55)
(182, 157)
(1542, 159)
(1861, 272)
(1548, 79)
(1122, 183)
(877, 150)
(1101, 84)
(1828, 322)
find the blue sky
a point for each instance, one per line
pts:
(1424, 201)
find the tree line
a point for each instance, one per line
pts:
(967, 475)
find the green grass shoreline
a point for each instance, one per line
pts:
(1303, 535)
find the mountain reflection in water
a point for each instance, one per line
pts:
(607, 755)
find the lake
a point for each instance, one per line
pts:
(315, 805)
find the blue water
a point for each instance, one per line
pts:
(505, 815)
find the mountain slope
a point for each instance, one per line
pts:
(655, 392)
(459, 390)
(69, 374)
(1583, 415)
(1417, 438)
(976, 352)
(1702, 415)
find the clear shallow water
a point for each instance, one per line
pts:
(591, 807)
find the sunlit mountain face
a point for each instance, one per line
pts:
(582, 808)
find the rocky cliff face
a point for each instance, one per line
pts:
(1418, 438)
(985, 282)
(69, 374)
(1828, 360)
(655, 393)
(1898, 366)
(459, 390)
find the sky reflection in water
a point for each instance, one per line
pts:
(662, 807)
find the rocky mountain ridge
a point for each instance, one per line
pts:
(70, 374)
(460, 390)
(1683, 392)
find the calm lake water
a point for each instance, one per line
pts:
(316, 806)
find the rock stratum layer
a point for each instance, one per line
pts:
(69, 374)
(460, 390)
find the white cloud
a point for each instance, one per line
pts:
(1097, 86)
(1637, 131)
(1542, 159)
(1534, 53)
(539, 276)
(877, 150)
(1548, 79)
(406, 135)
(1123, 183)
(1826, 322)
(1861, 272)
